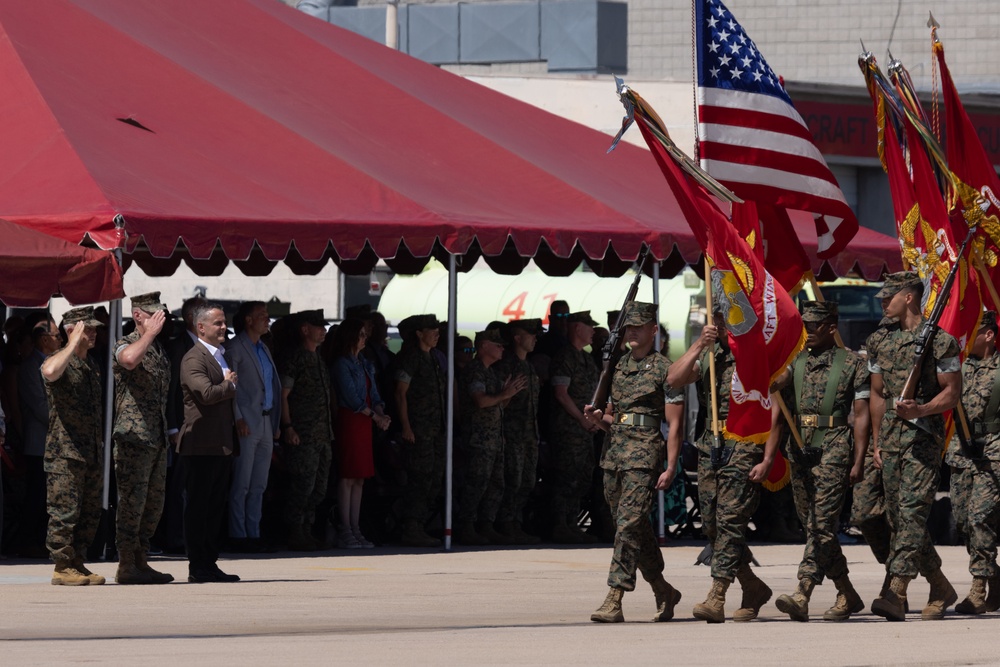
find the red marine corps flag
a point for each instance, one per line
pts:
(764, 327)
(967, 159)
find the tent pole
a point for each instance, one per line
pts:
(450, 424)
(660, 496)
(114, 333)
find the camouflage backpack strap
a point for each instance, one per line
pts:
(826, 408)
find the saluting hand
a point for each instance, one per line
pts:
(154, 324)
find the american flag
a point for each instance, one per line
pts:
(752, 139)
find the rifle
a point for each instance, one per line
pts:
(926, 336)
(925, 340)
(612, 352)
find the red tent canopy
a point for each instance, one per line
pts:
(35, 266)
(244, 130)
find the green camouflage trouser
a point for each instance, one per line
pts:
(482, 488)
(308, 468)
(573, 454)
(520, 466)
(141, 474)
(868, 511)
(425, 465)
(819, 494)
(911, 476)
(630, 496)
(727, 499)
(961, 487)
(983, 516)
(74, 505)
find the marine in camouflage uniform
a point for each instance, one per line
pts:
(305, 386)
(520, 430)
(868, 504)
(633, 462)
(140, 439)
(74, 449)
(573, 378)
(483, 395)
(828, 382)
(420, 392)
(910, 443)
(727, 498)
(979, 511)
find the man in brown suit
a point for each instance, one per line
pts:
(207, 443)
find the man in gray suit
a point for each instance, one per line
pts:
(258, 419)
(207, 443)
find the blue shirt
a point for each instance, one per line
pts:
(268, 370)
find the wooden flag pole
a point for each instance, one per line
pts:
(788, 418)
(986, 279)
(710, 318)
(818, 293)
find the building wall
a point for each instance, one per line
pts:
(810, 40)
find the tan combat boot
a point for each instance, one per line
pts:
(611, 610)
(95, 579)
(667, 598)
(942, 596)
(412, 534)
(713, 609)
(465, 533)
(298, 540)
(993, 597)
(890, 605)
(975, 601)
(885, 587)
(796, 605)
(848, 601)
(143, 565)
(755, 594)
(128, 573)
(67, 575)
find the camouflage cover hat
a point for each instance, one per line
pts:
(582, 316)
(531, 326)
(414, 323)
(989, 320)
(894, 282)
(638, 313)
(149, 302)
(490, 336)
(359, 312)
(313, 317)
(819, 311)
(84, 314)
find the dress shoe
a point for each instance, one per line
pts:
(202, 576)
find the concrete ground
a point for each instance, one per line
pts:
(471, 606)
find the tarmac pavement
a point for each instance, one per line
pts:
(524, 606)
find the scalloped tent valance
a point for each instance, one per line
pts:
(245, 131)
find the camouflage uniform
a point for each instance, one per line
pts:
(819, 491)
(978, 512)
(868, 505)
(425, 457)
(632, 461)
(911, 456)
(520, 435)
(307, 464)
(726, 496)
(140, 438)
(482, 430)
(74, 460)
(960, 483)
(573, 444)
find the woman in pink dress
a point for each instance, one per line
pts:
(358, 407)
